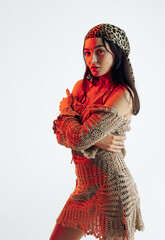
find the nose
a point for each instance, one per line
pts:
(94, 58)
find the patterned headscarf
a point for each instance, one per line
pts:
(112, 33)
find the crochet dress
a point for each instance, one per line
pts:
(105, 201)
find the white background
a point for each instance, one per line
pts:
(40, 56)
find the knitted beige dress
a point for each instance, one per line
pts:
(105, 201)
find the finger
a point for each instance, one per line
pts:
(118, 138)
(117, 142)
(68, 92)
(114, 151)
(116, 147)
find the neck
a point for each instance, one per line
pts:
(106, 77)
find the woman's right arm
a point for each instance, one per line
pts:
(110, 142)
(77, 136)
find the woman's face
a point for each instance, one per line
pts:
(97, 58)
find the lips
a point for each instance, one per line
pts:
(94, 68)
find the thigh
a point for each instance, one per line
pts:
(65, 233)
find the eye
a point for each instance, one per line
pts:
(87, 53)
(100, 52)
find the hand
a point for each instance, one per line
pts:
(66, 102)
(111, 143)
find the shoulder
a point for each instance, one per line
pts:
(122, 92)
(77, 89)
(127, 93)
(121, 100)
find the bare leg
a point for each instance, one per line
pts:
(65, 233)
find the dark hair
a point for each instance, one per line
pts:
(121, 75)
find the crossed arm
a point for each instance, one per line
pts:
(120, 101)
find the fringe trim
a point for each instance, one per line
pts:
(92, 221)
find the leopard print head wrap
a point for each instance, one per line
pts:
(112, 33)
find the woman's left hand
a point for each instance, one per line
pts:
(111, 143)
(66, 102)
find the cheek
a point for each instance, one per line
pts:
(87, 61)
(108, 61)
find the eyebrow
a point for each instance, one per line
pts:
(95, 47)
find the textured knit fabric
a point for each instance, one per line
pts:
(105, 201)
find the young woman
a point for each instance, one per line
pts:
(93, 123)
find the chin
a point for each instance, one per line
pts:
(99, 74)
(96, 74)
